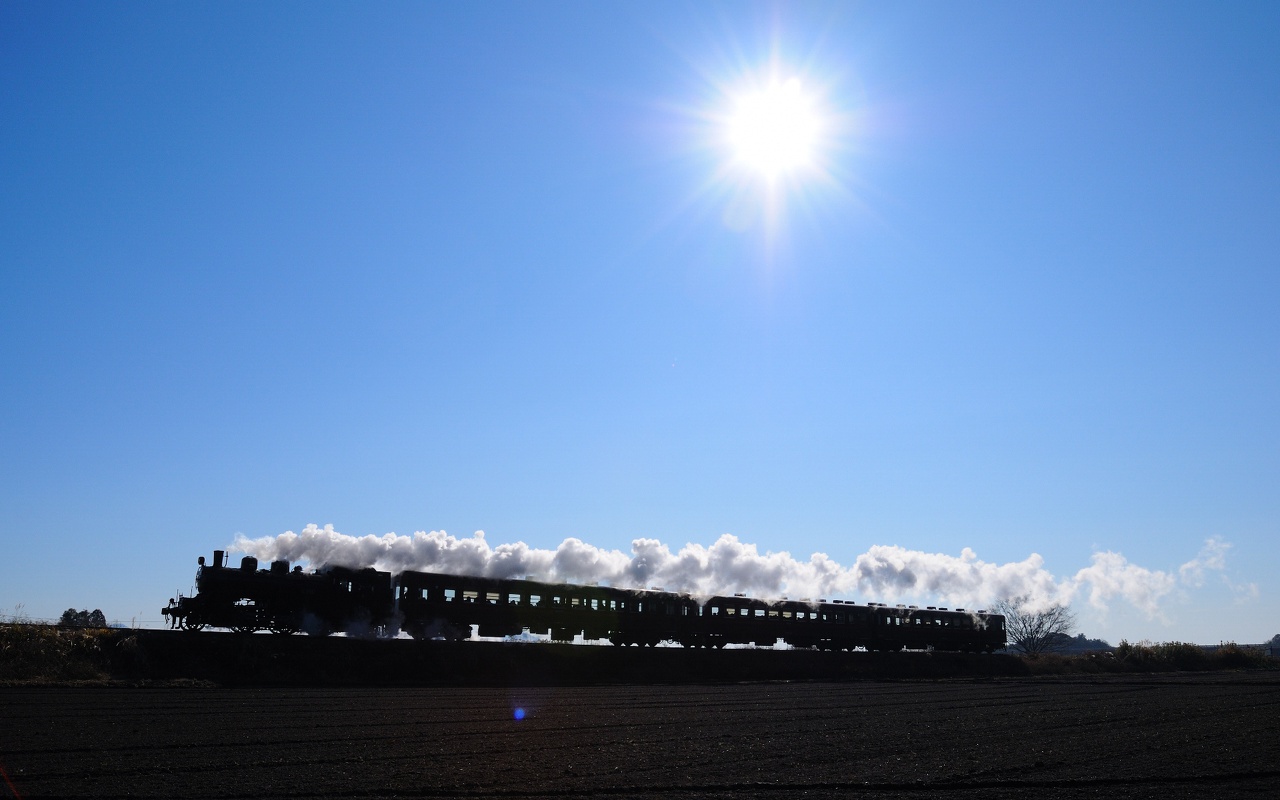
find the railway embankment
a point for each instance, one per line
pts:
(43, 653)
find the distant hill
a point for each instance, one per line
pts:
(1074, 645)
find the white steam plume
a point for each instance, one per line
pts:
(885, 572)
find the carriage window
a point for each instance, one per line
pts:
(450, 595)
(573, 601)
(595, 604)
(917, 620)
(470, 597)
(491, 597)
(786, 615)
(715, 611)
(534, 600)
(513, 599)
(759, 612)
(774, 613)
(684, 611)
(730, 611)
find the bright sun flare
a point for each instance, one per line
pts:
(774, 131)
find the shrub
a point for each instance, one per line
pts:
(1232, 656)
(1145, 656)
(83, 619)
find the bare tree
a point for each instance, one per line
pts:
(1034, 632)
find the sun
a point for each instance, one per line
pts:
(775, 130)
(776, 140)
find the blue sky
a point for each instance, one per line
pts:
(458, 267)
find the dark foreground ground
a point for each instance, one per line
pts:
(1169, 736)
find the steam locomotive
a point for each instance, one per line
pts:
(429, 605)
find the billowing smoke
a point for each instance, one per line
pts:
(885, 573)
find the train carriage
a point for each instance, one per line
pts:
(437, 606)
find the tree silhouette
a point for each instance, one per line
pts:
(1034, 631)
(83, 619)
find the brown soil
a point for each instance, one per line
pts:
(1172, 736)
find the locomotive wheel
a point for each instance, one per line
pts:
(283, 628)
(187, 624)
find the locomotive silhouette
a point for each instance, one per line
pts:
(428, 605)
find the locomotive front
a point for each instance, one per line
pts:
(284, 600)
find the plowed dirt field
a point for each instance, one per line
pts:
(1179, 736)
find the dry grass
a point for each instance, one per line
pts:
(39, 652)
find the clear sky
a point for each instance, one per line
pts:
(500, 267)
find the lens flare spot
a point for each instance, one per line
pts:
(519, 714)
